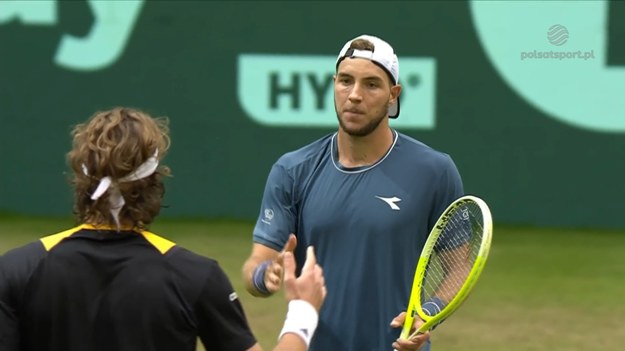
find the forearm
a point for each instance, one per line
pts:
(248, 272)
(291, 342)
(299, 326)
(457, 271)
(252, 277)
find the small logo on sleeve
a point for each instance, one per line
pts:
(267, 216)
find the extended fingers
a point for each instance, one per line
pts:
(399, 320)
(311, 259)
(413, 343)
(289, 266)
(273, 276)
(289, 276)
(290, 245)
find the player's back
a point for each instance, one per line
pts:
(105, 290)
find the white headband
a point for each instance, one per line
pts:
(116, 199)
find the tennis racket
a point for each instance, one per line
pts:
(451, 261)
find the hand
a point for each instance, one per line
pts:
(410, 344)
(310, 286)
(273, 274)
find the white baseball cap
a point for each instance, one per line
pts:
(383, 55)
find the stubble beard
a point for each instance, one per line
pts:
(362, 131)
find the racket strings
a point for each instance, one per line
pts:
(454, 254)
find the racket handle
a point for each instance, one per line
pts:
(415, 333)
(405, 331)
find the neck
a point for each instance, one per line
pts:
(355, 151)
(93, 223)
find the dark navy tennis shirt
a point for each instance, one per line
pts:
(86, 289)
(368, 226)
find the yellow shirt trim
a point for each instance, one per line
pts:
(104, 227)
(161, 244)
(50, 241)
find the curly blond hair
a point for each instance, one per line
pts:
(114, 143)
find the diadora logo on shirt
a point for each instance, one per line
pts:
(391, 201)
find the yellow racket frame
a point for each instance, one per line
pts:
(415, 303)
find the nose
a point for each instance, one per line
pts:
(355, 94)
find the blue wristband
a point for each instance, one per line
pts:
(258, 278)
(433, 306)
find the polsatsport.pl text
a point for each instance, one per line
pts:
(558, 55)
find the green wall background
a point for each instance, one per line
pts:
(180, 61)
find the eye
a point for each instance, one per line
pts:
(344, 80)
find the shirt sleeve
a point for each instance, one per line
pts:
(278, 214)
(8, 320)
(15, 266)
(9, 334)
(222, 324)
(450, 188)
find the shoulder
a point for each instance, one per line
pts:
(414, 145)
(296, 165)
(415, 151)
(188, 257)
(181, 259)
(19, 263)
(199, 275)
(31, 251)
(305, 154)
(193, 267)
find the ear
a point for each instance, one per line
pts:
(395, 91)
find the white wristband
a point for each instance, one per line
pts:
(301, 319)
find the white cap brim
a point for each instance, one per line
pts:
(383, 55)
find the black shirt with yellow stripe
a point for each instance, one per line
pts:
(101, 289)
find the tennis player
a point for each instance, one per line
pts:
(109, 284)
(365, 197)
